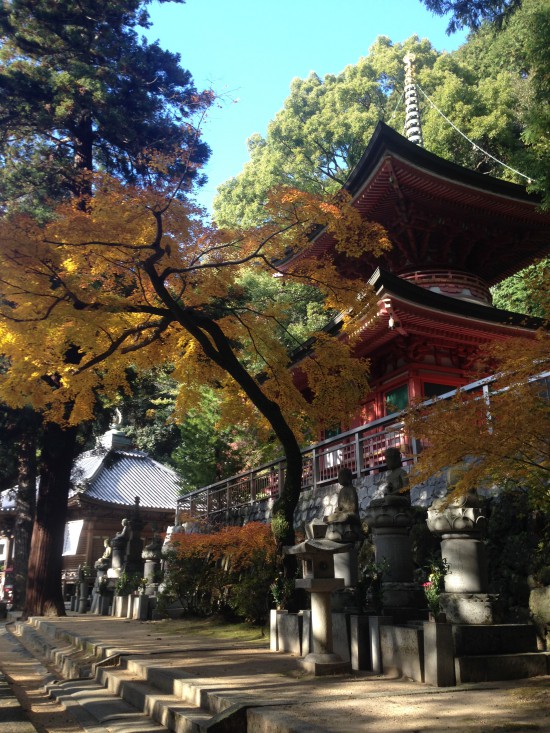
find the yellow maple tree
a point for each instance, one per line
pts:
(138, 278)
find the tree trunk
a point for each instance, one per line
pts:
(83, 139)
(24, 512)
(44, 594)
(217, 347)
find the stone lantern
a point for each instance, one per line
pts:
(317, 558)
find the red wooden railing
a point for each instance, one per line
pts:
(361, 450)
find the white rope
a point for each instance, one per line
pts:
(474, 145)
(396, 106)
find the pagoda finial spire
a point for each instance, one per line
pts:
(413, 127)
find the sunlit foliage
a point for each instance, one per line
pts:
(500, 439)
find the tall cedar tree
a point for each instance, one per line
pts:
(472, 13)
(80, 89)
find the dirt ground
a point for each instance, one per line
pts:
(524, 706)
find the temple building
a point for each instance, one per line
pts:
(454, 234)
(105, 484)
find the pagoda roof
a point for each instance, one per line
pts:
(418, 311)
(387, 141)
(439, 214)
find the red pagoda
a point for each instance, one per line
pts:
(455, 233)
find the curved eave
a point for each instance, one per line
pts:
(386, 141)
(416, 310)
(80, 499)
(392, 167)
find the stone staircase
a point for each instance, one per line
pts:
(128, 693)
(498, 652)
(135, 692)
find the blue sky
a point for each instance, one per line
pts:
(249, 52)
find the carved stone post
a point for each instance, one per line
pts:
(133, 562)
(152, 556)
(390, 519)
(460, 526)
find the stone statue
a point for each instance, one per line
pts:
(103, 562)
(124, 532)
(107, 552)
(396, 478)
(344, 523)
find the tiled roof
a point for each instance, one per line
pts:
(118, 476)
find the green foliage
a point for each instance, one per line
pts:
(128, 583)
(494, 89)
(196, 446)
(526, 292)
(434, 586)
(78, 86)
(369, 587)
(281, 590)
(207, 452)
(471, 13)
(297, 309)
(279, 527)
(322, 130)
(518, 549)
(249, 598)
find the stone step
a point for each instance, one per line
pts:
(470, 640)
(120, 694)
(98, 710)
(124, 694)
(70, 659)
(498, 667)
(171, 696)
(168, 698)
(166, 709)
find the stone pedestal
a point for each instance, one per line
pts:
(346, 566)
(322, 660)
(120, 606)
(360, 643)
(465, 554)
(375, 624)
(140, 608)
(390, 519)
(469, 608)
(105, 603)
(83, 597)
(460, 525)
(274, 629)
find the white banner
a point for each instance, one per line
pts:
(72, 536)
